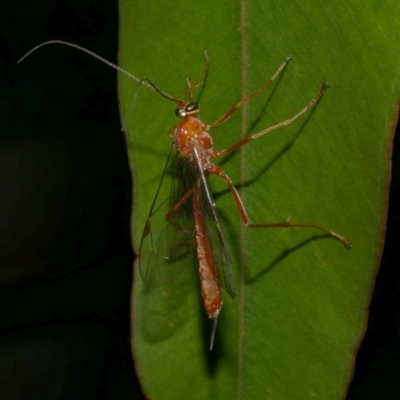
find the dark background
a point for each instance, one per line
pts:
(65, 256)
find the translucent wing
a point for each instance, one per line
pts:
(167, 246)
(222, 261)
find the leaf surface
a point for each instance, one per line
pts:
(302, 298)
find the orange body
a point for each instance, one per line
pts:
(190, 134)
(210, 288)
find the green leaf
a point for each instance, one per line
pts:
(301, 309)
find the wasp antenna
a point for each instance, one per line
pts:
(135, 96)
(150, 84)
(91, 53)
(142, 81)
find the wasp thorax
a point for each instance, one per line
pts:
(187, 110)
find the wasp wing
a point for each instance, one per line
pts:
(168, 240)
(219, 246)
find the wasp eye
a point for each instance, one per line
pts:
(192, 108)
(180, 112)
